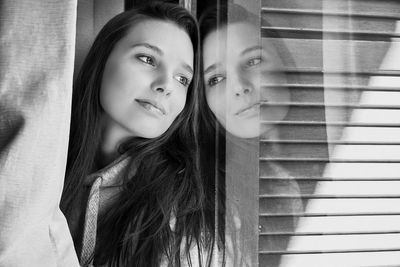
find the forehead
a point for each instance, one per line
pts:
(230, 41)
(173, 41)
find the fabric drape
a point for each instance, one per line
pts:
(37, 42)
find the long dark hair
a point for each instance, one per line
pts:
(135, 229)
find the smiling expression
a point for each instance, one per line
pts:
(146, 79)
(236, 65)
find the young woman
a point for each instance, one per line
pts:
(242, 74)
(132, 194)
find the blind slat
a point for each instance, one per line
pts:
(332, 123)
(331, 243)
(328, 233)
(328, 251)
(333, 87)
(329, 214)
(328, 13)
(331, 34)
(389, 73)
(333, 142)
(329, 105)
(330, 160)
(315, 196)
(332, 178)
(335, 224)
(343, 179)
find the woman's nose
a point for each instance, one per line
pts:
(243, 91)
(242, 84)
(161, 89)
(162, 84)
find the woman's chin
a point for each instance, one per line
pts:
(256, 131)
(244, 131)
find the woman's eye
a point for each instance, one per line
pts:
(215, 80)
(148, 60)
(183, 80)
(253, 62)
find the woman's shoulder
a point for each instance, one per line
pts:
(107, 183)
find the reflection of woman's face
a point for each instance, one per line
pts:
(146, 79)
(235, 65)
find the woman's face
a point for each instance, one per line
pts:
(236, 66)
(146, 79)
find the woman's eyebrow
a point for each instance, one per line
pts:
(188, 68)
(250, 49)
(211, 68)
(161, 53)
(149, 46)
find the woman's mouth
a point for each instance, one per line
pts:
(151, 106)
(253, 109)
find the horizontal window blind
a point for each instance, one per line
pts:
(339, 145)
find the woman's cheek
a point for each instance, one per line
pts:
(178, 104)
(217, 102)
(211, 100)
(182, 103)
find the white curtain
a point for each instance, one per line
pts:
(37, 40)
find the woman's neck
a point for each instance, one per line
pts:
(112, 136)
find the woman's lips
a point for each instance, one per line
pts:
(151, 106)
(252, 109)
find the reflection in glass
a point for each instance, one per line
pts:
(245, 98)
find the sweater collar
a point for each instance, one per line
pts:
(111, 174)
